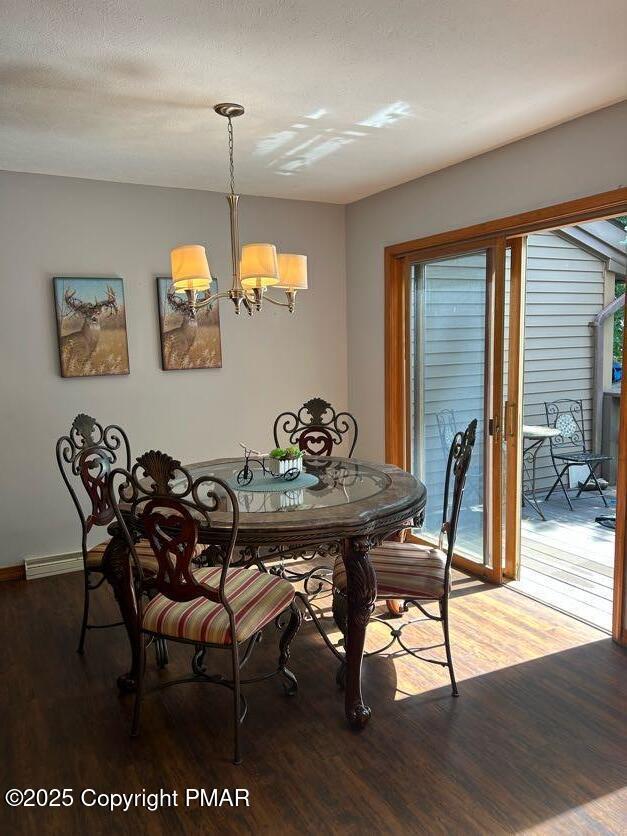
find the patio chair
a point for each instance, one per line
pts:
(216, 607)
(569, 448)
(415, 574)
(447, 427)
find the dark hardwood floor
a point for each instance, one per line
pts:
(535, 743)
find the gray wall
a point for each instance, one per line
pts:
(582, 157)
(60, 226)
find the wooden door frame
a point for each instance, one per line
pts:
(446, 244)
(514, 405)
(398, 448)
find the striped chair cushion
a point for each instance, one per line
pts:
(403, 570)
(144, 553)
(255, 598)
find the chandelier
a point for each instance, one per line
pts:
(255, 269)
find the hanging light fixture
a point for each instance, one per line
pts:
(258, 266)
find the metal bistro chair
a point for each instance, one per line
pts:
(86, 456)
(569, 448)
(319, 431)
(212, 607)
(447, 428)
(414, 573)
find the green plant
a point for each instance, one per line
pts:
(287, 453)
(619, 325)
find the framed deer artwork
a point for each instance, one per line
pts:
(190, 339)
(91, 326)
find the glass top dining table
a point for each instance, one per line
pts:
(324, 483)
(337, 500)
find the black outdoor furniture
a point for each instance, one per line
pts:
(569, 448)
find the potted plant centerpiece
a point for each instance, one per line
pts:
(283, 460)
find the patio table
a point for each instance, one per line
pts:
(351, 502)
(533, 439)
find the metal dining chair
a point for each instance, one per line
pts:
(319, 432)
(86, 456)
(317, 429)
(417, 574)
(569, 448)
(216, 607)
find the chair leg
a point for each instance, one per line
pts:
(141, 667)
(237, 699)
(296, 617)
(447, 644)
(81, 641)
(559, 482)
(161, 653)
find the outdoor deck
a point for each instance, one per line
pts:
(567, 562)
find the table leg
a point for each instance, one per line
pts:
(528, 487)
(361, 591)
(116, 567)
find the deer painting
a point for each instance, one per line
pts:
(92, 334)
(190, 337)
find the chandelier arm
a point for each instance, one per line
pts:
(223, 294)
(290, 303)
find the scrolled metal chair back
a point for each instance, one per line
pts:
(158, 499)
(447, 428)
(86, 455)
(460, 454)
(566, 416)
(317, 429)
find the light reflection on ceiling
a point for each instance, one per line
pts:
(292, 150)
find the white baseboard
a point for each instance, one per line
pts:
(54, 564)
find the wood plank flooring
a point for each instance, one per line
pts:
(536, 743)
(568, 561)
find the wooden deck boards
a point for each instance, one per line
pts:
(567, 561)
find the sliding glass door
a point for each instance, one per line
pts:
(455, 348)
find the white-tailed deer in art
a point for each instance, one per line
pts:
(178, 342)
(79, 346)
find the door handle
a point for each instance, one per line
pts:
(510, 418)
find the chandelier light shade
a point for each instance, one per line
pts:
(256, 267)
(190, 268)
(259, 265)
(292, 271)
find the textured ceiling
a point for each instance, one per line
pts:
(343, 98)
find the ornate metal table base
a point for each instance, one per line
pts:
(361, 588)
(116, 567)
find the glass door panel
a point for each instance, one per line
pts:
(450, 364)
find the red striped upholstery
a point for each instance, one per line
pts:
(255, 598)
(144, 553)
(403, 570)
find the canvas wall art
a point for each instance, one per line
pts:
(189, 339)
(91, 326)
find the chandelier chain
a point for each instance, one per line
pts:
(231, 163)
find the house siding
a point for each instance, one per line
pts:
(565, 290)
